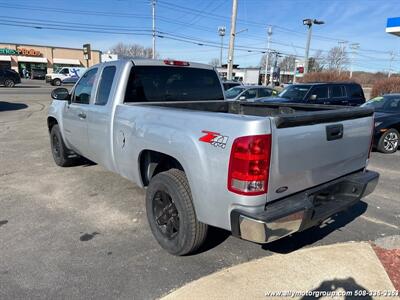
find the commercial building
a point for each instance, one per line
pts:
(246, 75)
(43, 58)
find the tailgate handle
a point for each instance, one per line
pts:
(334, 132)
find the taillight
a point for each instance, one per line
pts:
(176, 62)
(372, 138)
(249, 165)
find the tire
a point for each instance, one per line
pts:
(176, 229)
(60, 152)
(9, 83)
(389, 141)
(56, 82)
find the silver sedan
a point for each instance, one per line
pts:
(249, 92)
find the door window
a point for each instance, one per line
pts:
(264, 92)
(64, 71)
(106, 81)
(337, 91)
(321, 92)
(250, 94)
(83, 89)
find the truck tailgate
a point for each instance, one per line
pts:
(306, 154)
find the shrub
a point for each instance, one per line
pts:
(330, 76)
(386, 86)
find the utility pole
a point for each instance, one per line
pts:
(153, 5)
(232, 39)
(342, 49)
(353, 47)
(221, 32)
(392, 56)
(309, 23)
(267, 56)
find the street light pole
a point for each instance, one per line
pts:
(309, 23)
(221, 32)
(153, 4)
(232, 39)
(267, 56)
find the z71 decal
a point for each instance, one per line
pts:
(214, 138)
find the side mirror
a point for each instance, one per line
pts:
(60, 94)
(242, 98)
(313, 97)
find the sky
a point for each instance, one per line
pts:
(188, 29)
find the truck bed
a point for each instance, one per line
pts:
(284, 114)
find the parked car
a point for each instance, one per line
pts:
(38, 74)
(249, 92)
(260, 170)
(387, 122)
(59, 75)
(334, 93)
(230, 84)
(9, 77)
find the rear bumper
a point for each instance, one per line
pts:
(303, 210)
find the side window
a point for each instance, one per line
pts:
(356, 91)
(337, 91)
(250, 94)
(83, 89)
(106, 81)
(64, 71)
(320, 91)
(264, 92)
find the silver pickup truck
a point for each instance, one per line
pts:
(261, 170)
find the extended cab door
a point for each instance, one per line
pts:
(100, 116)
(76, 113)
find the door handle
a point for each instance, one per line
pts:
(82, 115)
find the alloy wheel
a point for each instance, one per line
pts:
(391, 141)
(165, 214)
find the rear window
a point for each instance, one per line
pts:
(356, 91)
(166, 83)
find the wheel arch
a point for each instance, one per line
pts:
(51, 121)
(152, 162)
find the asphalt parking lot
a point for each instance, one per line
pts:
(81, 232)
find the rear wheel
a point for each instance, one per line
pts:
(9, 83)
(60, 152)
(56, 82)
(171, 214)
(389, 141)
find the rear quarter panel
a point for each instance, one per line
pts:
(176, 132)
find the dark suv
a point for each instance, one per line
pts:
(9, 77)
(333, 93)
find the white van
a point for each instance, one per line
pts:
(60, 74)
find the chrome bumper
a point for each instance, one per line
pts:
(303, 210)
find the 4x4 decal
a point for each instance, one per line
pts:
(214, 138)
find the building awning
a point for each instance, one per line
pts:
(66, 61)
(5, 58)
(32, 59)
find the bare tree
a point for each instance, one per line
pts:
(316, 63)
(214, 62)
(288, 63)
(270, 60)
(337, 58)
(132, 51)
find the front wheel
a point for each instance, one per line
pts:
(389, 141)
(9, 83)
(171, 213)
(56, 82)
(60, 152)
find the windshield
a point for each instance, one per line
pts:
(384, 103)
(233, 92)
(58, 70)
(293, 92)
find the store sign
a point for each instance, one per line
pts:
(20, 51)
